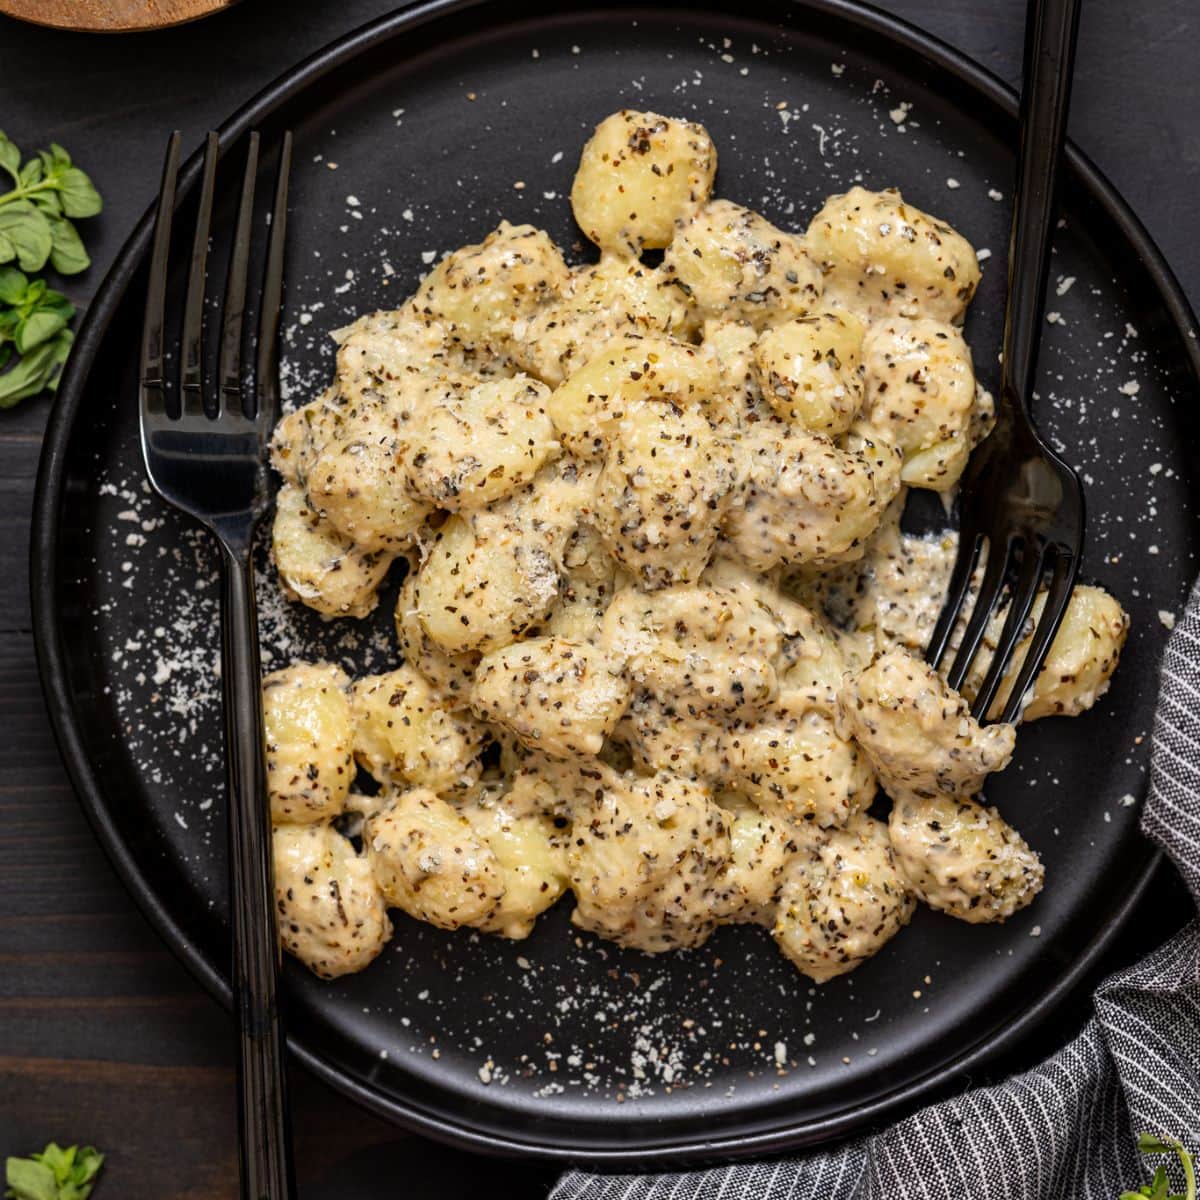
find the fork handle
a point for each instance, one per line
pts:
(1050, 29)
(263, 1124)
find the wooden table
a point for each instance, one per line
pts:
(103, 1036)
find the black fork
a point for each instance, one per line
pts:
(204, 446)
(1018, 497)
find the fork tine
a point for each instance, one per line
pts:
(151, 374)
(229, 370)
(998, 559)
(266, 375)
(1034, 560)
(970, 544)
(191, 368)
(1058, 596)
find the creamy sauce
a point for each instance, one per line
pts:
(652, 519)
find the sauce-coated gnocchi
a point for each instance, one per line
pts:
(659, 642)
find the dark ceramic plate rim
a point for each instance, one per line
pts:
(61, 702)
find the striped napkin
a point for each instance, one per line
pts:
(1066, 1129)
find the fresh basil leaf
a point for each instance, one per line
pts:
(59, 1161)
(31, 173)
(67, 255)
(59, 155)
(55, 1174)
(35, 292)
(7, 250)
(39, 327)
(27, 1179)
(88, 1162)
(79, 197)
(28, 233)
(53, 301)
(12, 285)
(48, 202)
(10, 157)
(36, 371)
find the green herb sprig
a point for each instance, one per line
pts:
(55, 1174)
(48, 192)
(33, 324)
(1159, 1188)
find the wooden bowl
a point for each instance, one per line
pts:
(111, 16)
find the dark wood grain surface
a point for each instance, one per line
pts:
(103, 1036)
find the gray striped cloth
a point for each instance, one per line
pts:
(1066, 1129)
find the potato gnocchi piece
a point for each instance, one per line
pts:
(639, 176)
(450, 674)
(918, 733)
(699, 649)
(885, 461)
(550, 787)
(760, 850)
(733, 264)
(430, 862)
(558, 696)
(883, 257)
(963, 859)
(330, 910)
(406, 734)
(664, 485)
(478, 292)
(921, 395)
(645, 855)
(588, 406)
(730, 346)
(1081, 662)
(804, 499)
(661, 737)
(479, 443)
(793, 766)
(842, 901)
(588, 585)
(383, 355)
(309, 734)
(809, 658)
(492, 573)
(612, 298)
(303, 433)
(317, 565)
(532, 858)
(810, 370)
(357, 485)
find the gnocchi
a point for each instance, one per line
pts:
(405, 734)
(810, 370)
(431, 863)
(639, 176)
(882, 257)
(309, 741)
(330, 909)
(658, 638)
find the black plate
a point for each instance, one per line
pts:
(415, 135)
